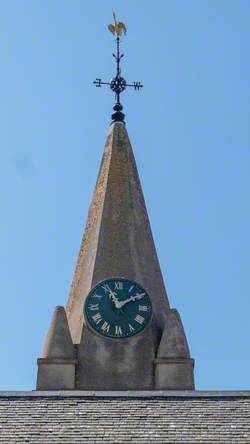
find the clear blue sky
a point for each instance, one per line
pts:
(190, 131)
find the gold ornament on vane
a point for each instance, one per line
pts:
(118, 28)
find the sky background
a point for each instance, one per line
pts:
(189, 127)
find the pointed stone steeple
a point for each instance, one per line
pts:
(117, 247)
(118, 239)
(117, 243)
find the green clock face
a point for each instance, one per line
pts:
(118, 308)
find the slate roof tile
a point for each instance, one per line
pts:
(108, 419)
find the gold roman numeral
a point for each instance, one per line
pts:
(140, 319)
(131, 329)
(105, 327)
(106, 288)
(94, 307)
(118, 330)
(97, 318)
(118, 285)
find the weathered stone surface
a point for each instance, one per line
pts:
(56, 370)
(56, 374)
(125, 364)
(173, 341)
(174, 374)
(117, 239)
(173, 366)
(58, 343)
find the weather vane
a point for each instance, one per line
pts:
(118, 84)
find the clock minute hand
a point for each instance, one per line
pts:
(112, 295)
(137, 297)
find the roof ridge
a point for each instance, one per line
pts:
(127, 394)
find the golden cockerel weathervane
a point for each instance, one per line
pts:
(118, 84)
(118, 28)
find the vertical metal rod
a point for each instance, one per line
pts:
(118, 65)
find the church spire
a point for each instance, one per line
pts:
(120, 332)
(118, 84)
(117, 239)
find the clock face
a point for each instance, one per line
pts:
(118, 308)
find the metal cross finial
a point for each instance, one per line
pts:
(118, 84)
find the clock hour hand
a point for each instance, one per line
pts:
(137, 297)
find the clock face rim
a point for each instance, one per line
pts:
(117, 338)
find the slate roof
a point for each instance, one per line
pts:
(124, 417)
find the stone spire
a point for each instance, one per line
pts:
(117, 239)
(117, 243)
